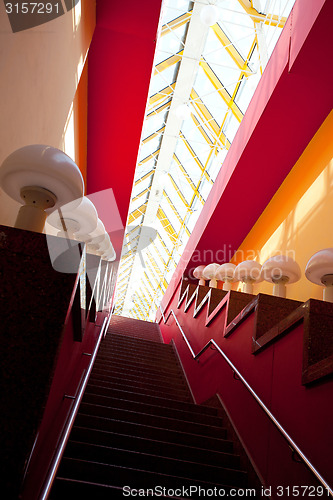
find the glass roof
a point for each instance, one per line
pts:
(203, 80)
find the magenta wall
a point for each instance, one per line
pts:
(306, 413)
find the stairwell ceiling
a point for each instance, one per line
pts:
(202, 82)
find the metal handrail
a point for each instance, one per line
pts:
(46, 489)
(284, 433)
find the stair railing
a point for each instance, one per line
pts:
(46, 489)
(295, 449)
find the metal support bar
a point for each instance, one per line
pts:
(296, 450)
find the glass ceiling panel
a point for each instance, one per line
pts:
(194, 109)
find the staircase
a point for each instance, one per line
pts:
(138, 426)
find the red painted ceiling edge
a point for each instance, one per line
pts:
(120, 63)
(278, 125)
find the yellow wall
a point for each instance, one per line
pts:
(299, 219)
(41, 88)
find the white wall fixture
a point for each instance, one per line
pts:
(209, 274)
(209, 15)
(225, 273)
(248, 272)
(43, 178)
(319, 270)
(197, 273)
(280, 270)
(75, 221)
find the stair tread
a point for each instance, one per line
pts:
(177, 434)
(144, 456)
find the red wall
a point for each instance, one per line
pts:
(275, 374)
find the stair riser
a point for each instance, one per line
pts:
(122, 371)
(144, 367)
(154, 410)
(161, 350)
(144, 383)
(120, 476)
(145, 431)
(153, 463)
(171, 450)
(113, 336)
(144, 380)
(103, 390)
(159, 401)
(152, 362)
(147, 419)
(167, 358)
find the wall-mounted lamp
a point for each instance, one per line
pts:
(209, 274)
(280, 270)
(44, 179)
(225, 273)
(249, 272)
(319, 270)
(198, 273)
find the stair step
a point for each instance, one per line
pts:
(140, 407)
(150, 432)
(129, 353)
(68, 489)
(153, 362)
(149, 419)
(136, 443)
(119, 339)
(154, 463)
(122, 370)
(172, 394)
(139, 382)
(130, 477)
(178, 383)
(159, 401)
(139, 366)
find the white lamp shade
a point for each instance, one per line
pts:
(209, 271)
(45, 167)
(209, 15)
(248, 270)
(98, 235)
(110, 254)
(280, 267)
(197, 273)
(225, 272)
(320, 264)
(84, 214)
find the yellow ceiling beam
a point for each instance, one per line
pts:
(189, 180)
(137, 213)
(158, 110)
(175, 23)
(149, 157)
(144, 177)
(160, 96)
(178, 191)
(170, 61)
(140, 194)
(167, 226)
(221, 90)
(257, 17)
(175, 211)
(230, 48)
(152, 136)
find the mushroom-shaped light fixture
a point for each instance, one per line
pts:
(44, 179)
(197, 273)
(209, 274)
(75, 221)
(209, 15)
(319, 270)
(225, 273)
(249, 272)
(280, 270)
